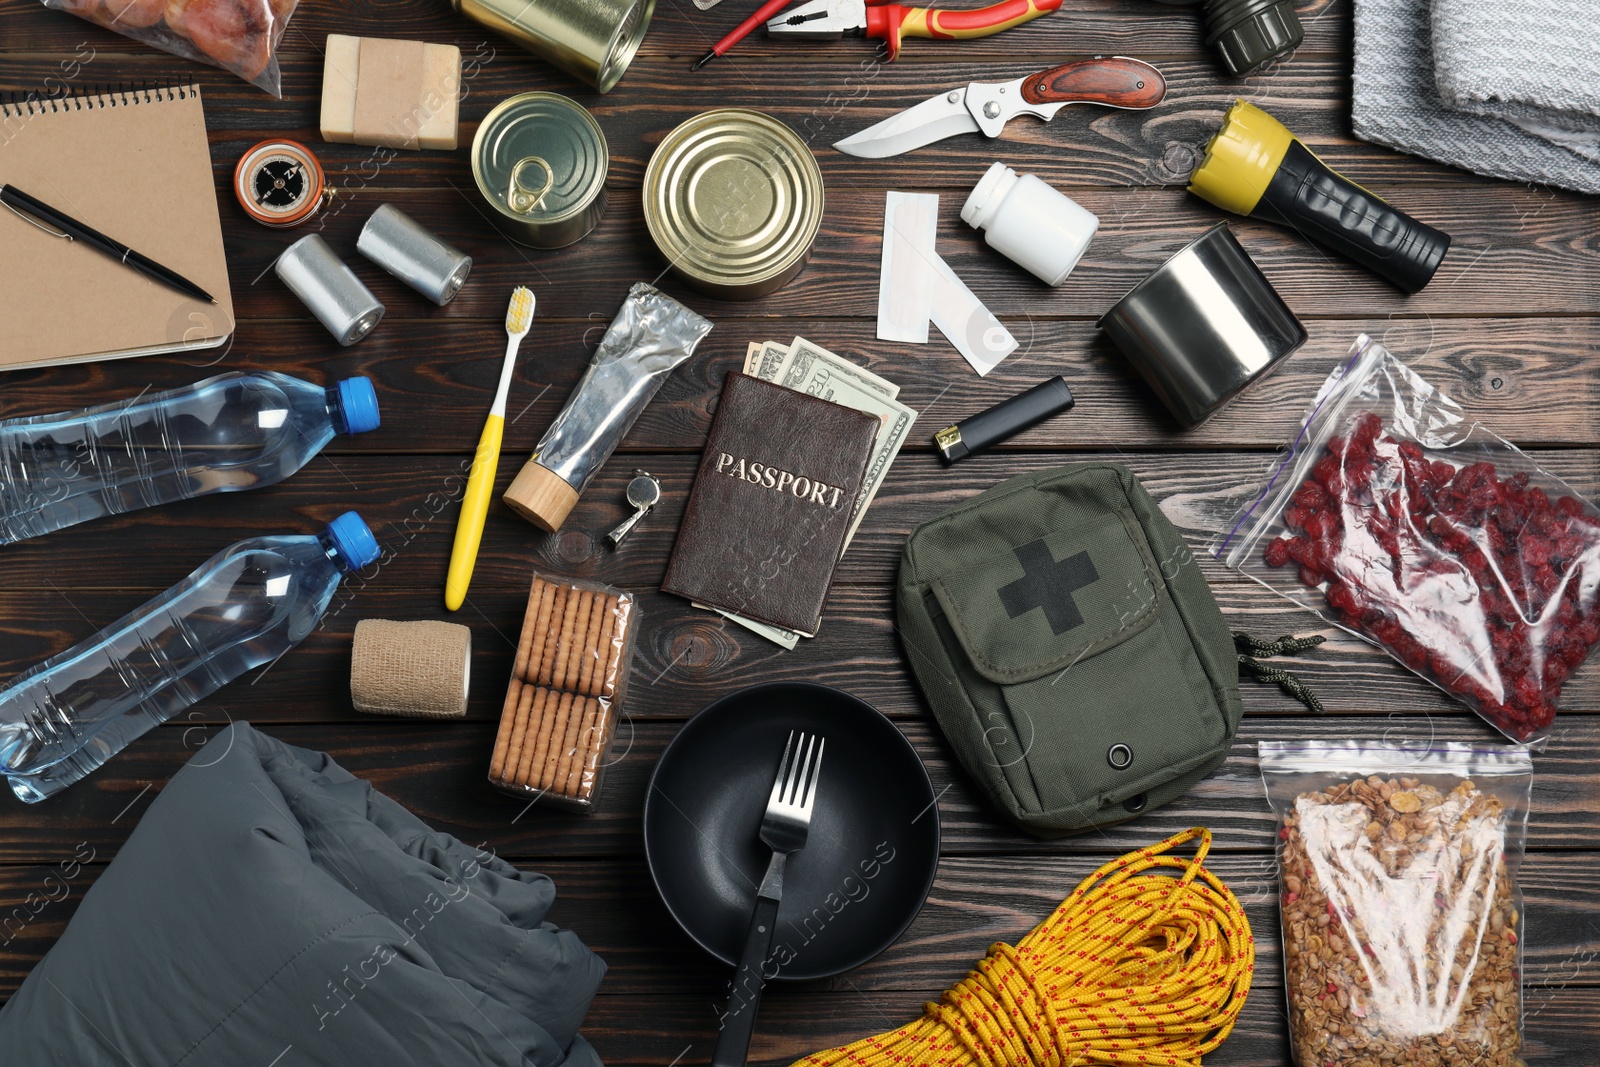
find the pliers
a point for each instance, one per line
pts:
(827, 19)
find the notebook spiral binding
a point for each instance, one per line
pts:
(19, 104)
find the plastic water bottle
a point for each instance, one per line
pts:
(235, 431)
(245, 607)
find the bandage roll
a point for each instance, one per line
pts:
(420, 668)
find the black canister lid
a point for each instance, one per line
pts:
(1248, 33)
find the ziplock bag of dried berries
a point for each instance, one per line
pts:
(240, 36)
(1393, 516)
(1401, 916)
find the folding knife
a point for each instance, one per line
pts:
(1109, 80)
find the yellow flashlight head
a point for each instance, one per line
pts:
(1241, 159)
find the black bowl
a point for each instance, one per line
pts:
(869, 859)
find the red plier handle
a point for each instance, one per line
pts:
(893, 21)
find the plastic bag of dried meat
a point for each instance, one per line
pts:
(1393, 516)
(1401, 916)
(237, 35)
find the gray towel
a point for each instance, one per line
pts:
(271, 907)
(1396, 103)
(1535, 63)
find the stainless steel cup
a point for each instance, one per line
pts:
(1203, 326)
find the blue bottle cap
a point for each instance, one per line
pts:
(352, 539)
(359, 402)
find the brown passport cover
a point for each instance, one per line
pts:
(749, 548)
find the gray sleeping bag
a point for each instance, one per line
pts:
(273, 909)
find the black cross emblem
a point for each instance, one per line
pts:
(1048, 584)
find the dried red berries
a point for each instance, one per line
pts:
(1482, 583)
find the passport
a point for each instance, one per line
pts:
(768, 516)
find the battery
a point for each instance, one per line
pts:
(404, 248)
(733, 199)
(540, 161)
(329, 289)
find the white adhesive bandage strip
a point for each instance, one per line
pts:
(906, 282)
(971, 327)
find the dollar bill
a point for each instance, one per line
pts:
(752, 353)
(769, 361)
(804, 356)
(776, 634)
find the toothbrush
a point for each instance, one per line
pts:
(475, 504)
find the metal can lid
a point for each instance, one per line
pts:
(540, 157)
(733, 197)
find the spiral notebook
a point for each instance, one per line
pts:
(136, 166)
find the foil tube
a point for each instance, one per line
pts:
(651, 335)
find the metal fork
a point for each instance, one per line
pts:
(783, 829)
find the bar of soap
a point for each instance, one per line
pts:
(398, 94)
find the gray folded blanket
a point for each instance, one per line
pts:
(271, 908)
(1397, 97)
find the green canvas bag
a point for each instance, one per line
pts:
(1070, 647)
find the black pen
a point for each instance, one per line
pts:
(73, 230)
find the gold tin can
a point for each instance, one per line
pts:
(733, 199)
(592, 40)
(540, 161)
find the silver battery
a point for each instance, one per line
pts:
(330, 289)
(397, 243)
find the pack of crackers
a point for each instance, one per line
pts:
(570, 676)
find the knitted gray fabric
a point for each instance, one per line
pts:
(1396, 103)
(1532, 62)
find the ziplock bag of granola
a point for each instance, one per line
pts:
(1401, 916)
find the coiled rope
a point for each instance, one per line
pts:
(1134, 967)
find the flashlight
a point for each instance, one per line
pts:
(1255, 166)
(1248, 33)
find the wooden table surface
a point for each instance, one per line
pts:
(1509, 327)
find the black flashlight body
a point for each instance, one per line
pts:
(1335, 212)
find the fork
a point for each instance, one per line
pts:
(783, 829)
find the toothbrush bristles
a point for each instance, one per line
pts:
(519, 316)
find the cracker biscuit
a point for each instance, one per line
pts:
(544, 772)
(552, 635)
(578, 601)
(534, 759)
(601, 738)
(569, 746)
(603, 649)
(508, 720)
(585, 650)
(583, 748)
(538, 600)
(521, 739)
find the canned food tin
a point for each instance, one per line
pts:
(540, 161)
(733, 199)
(592, 40)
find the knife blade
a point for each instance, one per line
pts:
(1111, 81)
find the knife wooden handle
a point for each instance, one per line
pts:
(1109, 80)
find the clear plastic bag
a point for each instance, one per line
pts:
(240, 36)
(1399, 904)
(569, 680)
(1395, 518)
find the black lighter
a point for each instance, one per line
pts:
(1006, 419)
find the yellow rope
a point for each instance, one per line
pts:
(1134, 967)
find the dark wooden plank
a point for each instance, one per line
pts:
(439, 771)
(974, 903)
(679, 30)
(1527, 379)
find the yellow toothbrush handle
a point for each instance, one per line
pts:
(474, 510)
